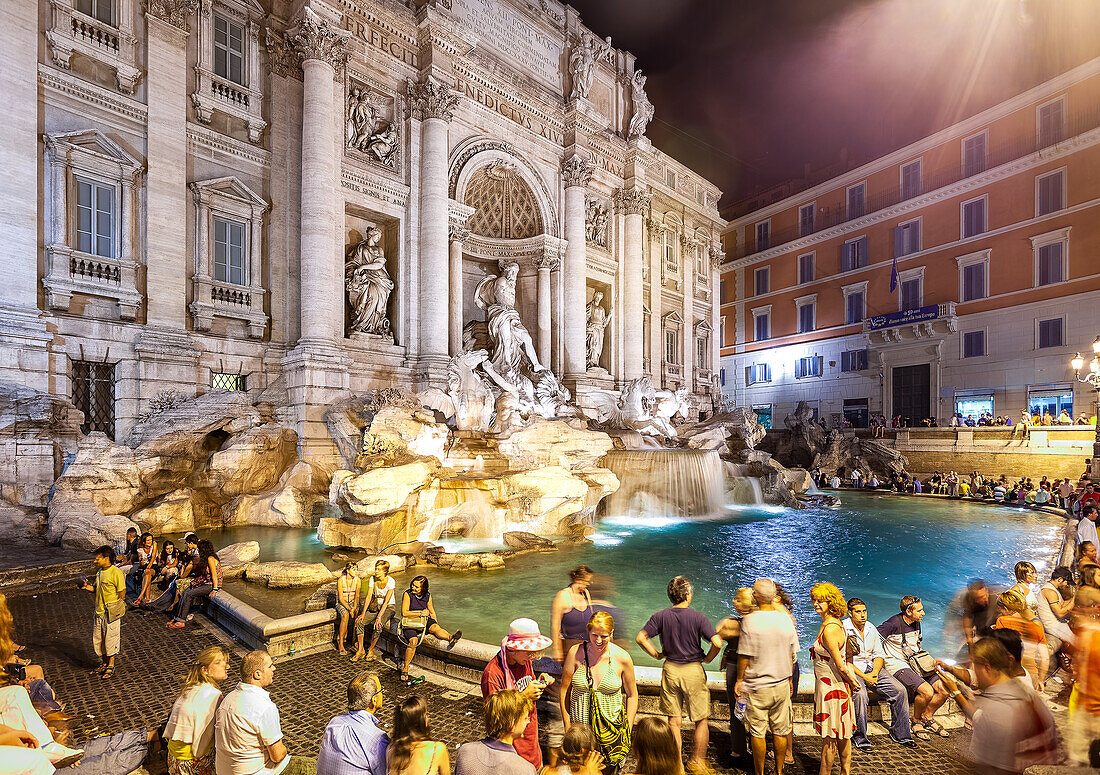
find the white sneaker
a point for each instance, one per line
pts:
(61, 756)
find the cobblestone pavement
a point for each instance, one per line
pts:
(309, 690)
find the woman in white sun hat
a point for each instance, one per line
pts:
(511, 669)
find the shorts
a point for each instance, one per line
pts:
(343, 610)
(408, 634)
(368, 620)
(911, 680)
(770, 710)
(684, 688)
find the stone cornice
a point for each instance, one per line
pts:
(174, 12)
(199, 137)
(376, 186)
(632, 202)
(315, 38)
(914, 205)
(114, 106)
(430, 99)
(577, 171)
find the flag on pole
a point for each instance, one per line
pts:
(894, 275)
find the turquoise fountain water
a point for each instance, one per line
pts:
(875, 546)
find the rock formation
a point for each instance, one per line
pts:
(809, 445)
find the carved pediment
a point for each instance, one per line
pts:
(93, 142)
(229, 187)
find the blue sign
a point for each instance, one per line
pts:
(931, 312)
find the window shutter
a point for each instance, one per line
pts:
(820, 361)
(846, 361)
(899, 241)
(863, 257)
(748, 375)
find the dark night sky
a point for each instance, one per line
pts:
(748, 92)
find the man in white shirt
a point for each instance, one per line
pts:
(248, 738)
(869, 663)
(1086, 528)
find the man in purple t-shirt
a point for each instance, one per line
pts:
(683, 680)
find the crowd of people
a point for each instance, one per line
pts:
(1015, 646)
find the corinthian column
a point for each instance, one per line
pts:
(433, 105)
(458, 235)
(546, 263)
(634, 204)
(322, 47)
(576, 171)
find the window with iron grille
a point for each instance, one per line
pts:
(1050, 333)
(974, 155)
(810, 366)
(1050, 263)
(94, 394)
(854, 360)
(228, 50)
(95, 218)
(857, 204)
(1052, 123)
(1050, 193)
(910, 180)
(223, 381)
(973, 344)
(805, 220)
(854, 254)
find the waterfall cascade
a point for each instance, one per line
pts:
(674, 482)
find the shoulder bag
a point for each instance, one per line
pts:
(413, 622)
(921, 662)
(372, 604)
(115, 611)
(613, 736)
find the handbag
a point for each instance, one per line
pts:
(372, 604)
(921, 662)
(115, 611)
(412, 623)
(613, 736)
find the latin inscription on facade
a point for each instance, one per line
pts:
(381, 40)
(509, 110)
(500, 29)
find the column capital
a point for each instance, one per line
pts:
(457, 232)
(174, 12)
(430, 99)
(716, 258)
(632, 202)
(577, 170)
(313, 37)
(546, 260)
(283, 59)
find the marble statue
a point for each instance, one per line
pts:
(368, 285)
(597, 319)
(512, 348)
(471, 396)
(582, 63)
(595, 222)
(643, 108)
(360, 121)
(639, 407)
(382, 145)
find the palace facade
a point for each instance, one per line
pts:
(992, 225)
(304, 198)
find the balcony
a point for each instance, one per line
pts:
(931, 181)
(215, 93)
(214, 298)
(672, 375)
(931, 322)
(73, 32)
(704, 381)
(70, 271)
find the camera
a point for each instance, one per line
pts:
(16, 672)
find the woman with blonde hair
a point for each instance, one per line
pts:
(598, 680)
(1013, 613)
(834, 714)
(411, 751)
(190, 727)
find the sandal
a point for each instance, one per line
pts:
(107, 673)
(920, 731)
(176, 625)
(937, 727)
(342, 652)
(356, 656)
(454, 639)
(404, 678)
(98, 670)
(371, 657)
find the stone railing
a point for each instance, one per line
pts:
(672, 375)
(214, 93)
(704, 380)
(74, 32)
(928, 322)
(70, 271)
(215, 298)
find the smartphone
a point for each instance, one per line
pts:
(950, 662)
(17, 672)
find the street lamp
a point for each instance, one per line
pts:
(1091, 378)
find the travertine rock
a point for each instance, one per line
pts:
(554, 443)
(391, 530)
(542, 498)
(286, 573)
(86, 529)
(415, 432)
(21, 523)
(489, 560)
(521, 540)
(251, 462)
(382, 490)
(240, 553)
(173, 513)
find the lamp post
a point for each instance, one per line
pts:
(1091, 378)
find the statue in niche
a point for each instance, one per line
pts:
(597, 319)
(368, 285)
(511, 343)
(643, 108)
(366, 131)
(595, 222)
(582, 63)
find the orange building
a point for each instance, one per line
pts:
(993, 225)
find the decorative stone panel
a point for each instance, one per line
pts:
(115, 45)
